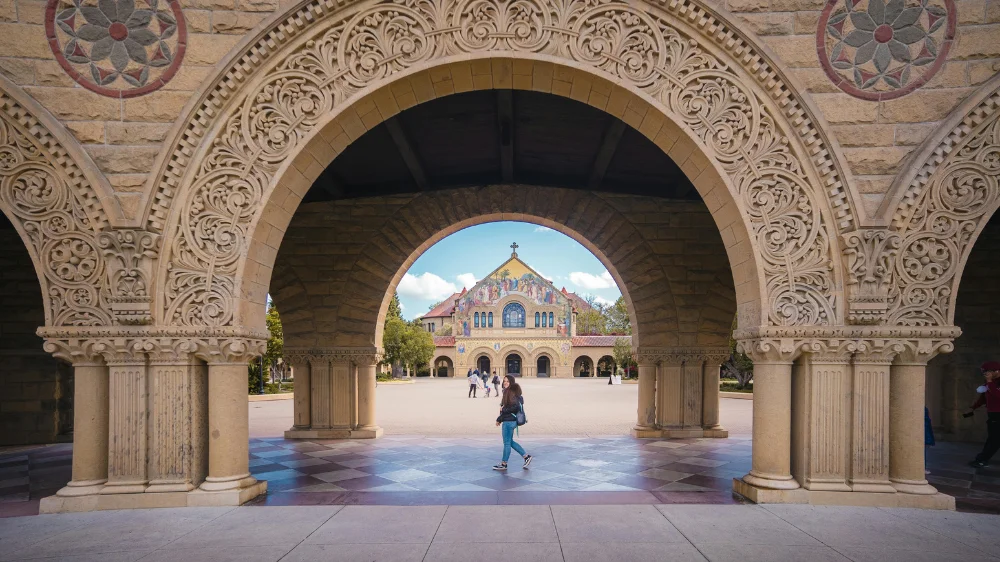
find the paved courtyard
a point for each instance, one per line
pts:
(523, 533)
(555, 407)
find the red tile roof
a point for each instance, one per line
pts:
(444, 341)
(597, 341)
(444, 309)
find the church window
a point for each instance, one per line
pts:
(476, 322)
(552, 320)
(513, 316)
(545, 320)
(491, 319)
(536, 320)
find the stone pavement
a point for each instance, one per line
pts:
(741, 533)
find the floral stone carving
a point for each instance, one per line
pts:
(880, 50)
(117, 48)
(639, 46)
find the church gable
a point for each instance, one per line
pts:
(514, 277)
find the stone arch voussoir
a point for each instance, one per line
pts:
(941, 210)
(250, 151)
(59, 203)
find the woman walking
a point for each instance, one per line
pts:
(473, 383)
(496, 382)
(510, 405)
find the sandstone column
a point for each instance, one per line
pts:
(367, 428)
(302, 391)
(90, 422)
(340, 395)
(692, 401)
(772, 401)
(319, 390)
(178, 424)
(710, 396)
(870, 421)
(228, 423)
(128, 415)
(670, 395)
(906, 424)
(645, 425)
(821, 426)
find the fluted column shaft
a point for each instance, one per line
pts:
(646, 412)
(128, 422)
(366, 396)
(302, 394)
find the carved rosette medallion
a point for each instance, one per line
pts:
(884, 49)
(117, 48)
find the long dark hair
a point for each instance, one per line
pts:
(511, 393)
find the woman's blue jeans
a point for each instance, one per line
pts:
(507, 428)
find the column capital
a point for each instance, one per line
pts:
(78, 352)
(921, 351)
(360, 356)
(770, 350)
(680, 355)
(229, 351)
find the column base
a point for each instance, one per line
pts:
(917, 487)
(194, 498)
(664, 433)
(81, 488)
(822, 497)
(360, 433)
(873, 486)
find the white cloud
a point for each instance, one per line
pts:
(603, 301)
(402, 306)
(542, 229)
(590, 281)
(546, 277)
(425, 287)
(466, 280)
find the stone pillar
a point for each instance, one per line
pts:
(367, 428)
(90, 428)
(228, 425)
(869, 467)
(906, 425)
(771, 455)
(178, 425)
(340, 393)
(319, 381)
(821, 421)
(302, 392)
(691, 394)
(128, 419)
(670, 395)
(710, 397)
(645, 425)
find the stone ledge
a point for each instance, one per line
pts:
(737, 395)
(374, 433)
(655, 433)
(861, 499)
(270, 397)
(194, 498)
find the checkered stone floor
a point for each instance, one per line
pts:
(412, 470)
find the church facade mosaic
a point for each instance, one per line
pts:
(849, 165)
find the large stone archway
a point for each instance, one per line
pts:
(818, 307)
(748, 153)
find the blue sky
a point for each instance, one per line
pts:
(471, 254)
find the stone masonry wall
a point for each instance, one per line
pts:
(337, 260)
(877, 136)
(35, 389)
(953, 378)
(124, 135)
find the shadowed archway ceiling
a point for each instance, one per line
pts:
(501, 136)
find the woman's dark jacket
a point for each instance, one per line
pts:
(509, 413)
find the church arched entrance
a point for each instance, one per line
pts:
(543, 367)
(483, 364)
(513, 364)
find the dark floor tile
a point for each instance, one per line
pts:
(363, 483)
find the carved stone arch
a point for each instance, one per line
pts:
(681, 74)
(480, 351)
(942, 210)
(58, 201)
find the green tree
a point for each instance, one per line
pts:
(622, 352)
(395, 309)
(738, 366)
(418, 346)
(274, 364)
(590, 322)
(616, 318)
(393, 339)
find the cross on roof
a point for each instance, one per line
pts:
(514, 248)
